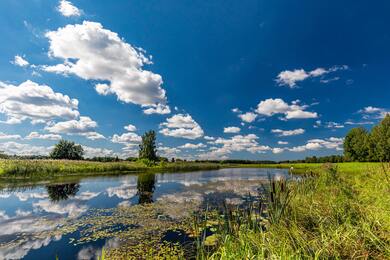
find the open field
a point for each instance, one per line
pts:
(338, 211)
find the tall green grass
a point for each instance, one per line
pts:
(21, 169)
(329, 213)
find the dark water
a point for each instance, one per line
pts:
(28, 214)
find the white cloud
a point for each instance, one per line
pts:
(209, 138)
(192, 146)
(20, 61)
(94, 53)
(316, 144)
(130, 128)
(168, 151)
(282, 142)
(280, 132)
(290, 78)
(67, 9)
(270, 107)
(23, 149)
(39, 103)
(126, 138)
(158, 109)
(236, 110)
(277, 150)
(84, 126)
(36, 135)
(181, 125)
(371, 112)
(90, 152)
(236, 143)
(334, 125)
(4, 136)
(248, 117)
(231, 130)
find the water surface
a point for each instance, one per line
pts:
(45, 221)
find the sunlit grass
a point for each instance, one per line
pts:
(49, 168)
(338, 212)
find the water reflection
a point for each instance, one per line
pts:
(145, 187)
(62, 192)
(30, 217)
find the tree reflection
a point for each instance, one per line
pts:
(62, 191)
(145, 186)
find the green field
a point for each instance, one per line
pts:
(337, 211)
(46, 169)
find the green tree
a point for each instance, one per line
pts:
(67, 150)
(380, 141)
(356, 144)
(147, 148)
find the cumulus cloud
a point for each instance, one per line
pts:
(130, 128)
(290, 78)
(36, 135)
(4, 136)
(231, 130)
(126, 138)
(67, 9)
(39, 103)
(237, 143)
(316, 144)
(84, 126)
(282, 142)
(277, 150)
(158, 109)
(182, 126)
(280, 132)
(20, 61)
(23, 149)
(192, 146)
(371, 112)
(248, 117)
(209, 138)
(90, 152)
(270, 107)
(168, 151)
(94, 53)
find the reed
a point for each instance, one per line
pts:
(327, 213)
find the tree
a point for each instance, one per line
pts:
(380, 141)
(356, 145)
(67, 150)
(147, 149)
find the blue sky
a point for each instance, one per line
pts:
(216, 79)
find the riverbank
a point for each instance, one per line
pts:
(46, 169)
(338, 211)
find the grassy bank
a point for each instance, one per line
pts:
(337, 212)
(41, 169)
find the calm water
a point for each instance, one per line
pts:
(30, 215)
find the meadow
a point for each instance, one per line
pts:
(339, 211)
(46, 169)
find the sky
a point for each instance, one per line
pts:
(260, 80)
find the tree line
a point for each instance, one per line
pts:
(369, 146)
(359, 145)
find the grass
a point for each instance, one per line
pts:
(336, 211)
(44, 169)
